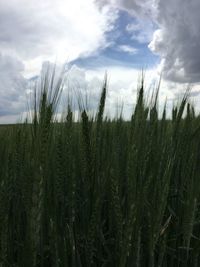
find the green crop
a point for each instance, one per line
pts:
(100, 192)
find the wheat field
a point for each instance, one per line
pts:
(100, 191)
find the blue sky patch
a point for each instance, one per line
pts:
(123, 49)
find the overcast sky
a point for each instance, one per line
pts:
(92, 36)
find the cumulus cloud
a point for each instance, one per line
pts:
(177, 40)
(122, 86)
(12, 86)
(86, 85)
(65, 30)
(142, 11)
(142, 30)
(136, 7)
(50, 29)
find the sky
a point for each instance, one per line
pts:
(92, 37)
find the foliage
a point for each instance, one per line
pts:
(100, 192)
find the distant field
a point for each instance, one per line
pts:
(101, 192)
(6, 125)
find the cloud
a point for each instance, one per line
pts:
(127, 49)
(122, 88)
(172, 29)
(122, 85)
(142, 11)
(86, 84)
(51, 30)
(142, 30)
(136, 7)
(12, 86)
(177, 40)
(31, 33)
(67, 30)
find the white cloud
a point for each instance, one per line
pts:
(33, 32)
(64, 30)
(52, 30)
(122, 89)
(122, 86)
(177, 37)
(142, 30)
(127, 49)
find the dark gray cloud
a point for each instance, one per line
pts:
(178, 39)
(136, 7)
(12, 86)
